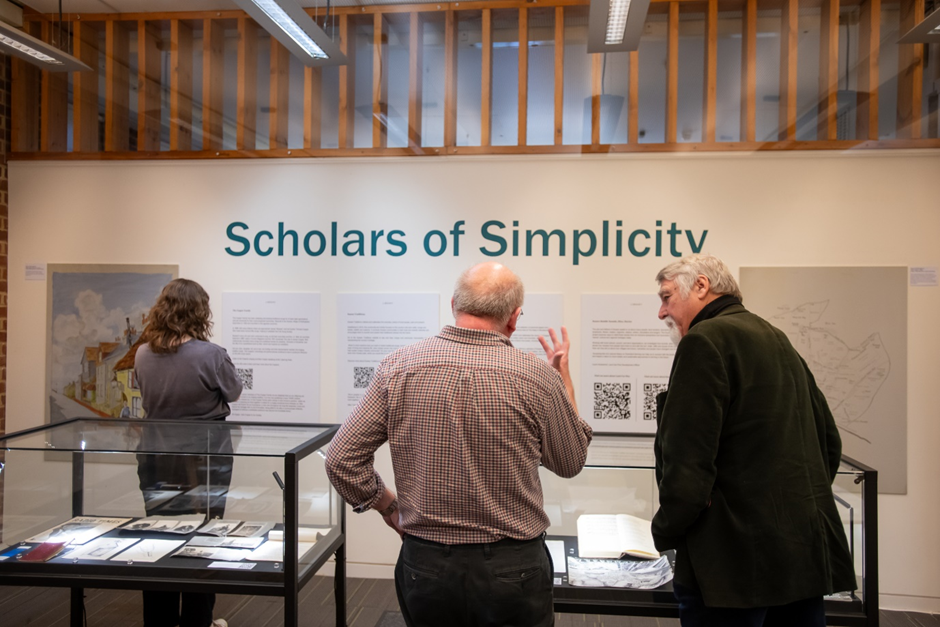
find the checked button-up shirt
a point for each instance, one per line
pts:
(468, 419)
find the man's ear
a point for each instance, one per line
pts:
(514, 320)
(702, 286)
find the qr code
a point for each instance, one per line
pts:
(247, 375)
(362, 376)
(650, 391)
(612, 401)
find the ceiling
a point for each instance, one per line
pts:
(143, 6)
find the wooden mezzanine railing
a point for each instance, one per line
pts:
(56, 116)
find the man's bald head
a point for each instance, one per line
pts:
(488, 290)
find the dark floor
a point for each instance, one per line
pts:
(371, 603)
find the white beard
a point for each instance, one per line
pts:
(674, 333)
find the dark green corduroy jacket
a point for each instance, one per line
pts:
(746, 452)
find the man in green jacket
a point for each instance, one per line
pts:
(746, 453)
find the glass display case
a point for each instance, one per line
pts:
(620, 478)
(200, 506)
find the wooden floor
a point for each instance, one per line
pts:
(371, 603)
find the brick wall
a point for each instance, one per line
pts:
(4, 215)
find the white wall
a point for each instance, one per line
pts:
(759, 209)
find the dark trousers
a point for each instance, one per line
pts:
(499, 584)
(186, 609)
(694, 613)
(164, 609)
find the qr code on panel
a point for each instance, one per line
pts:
(612, 401)
(362, 376)
(650, 391)
(247, 375)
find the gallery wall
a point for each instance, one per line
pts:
(854, 209)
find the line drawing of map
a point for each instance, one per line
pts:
(850, 326)
(849, 376)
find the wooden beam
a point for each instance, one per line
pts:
(597, 61)
(279, 96)
(749, 73)
(869, 41)
(246, 115)
(672, 73)
(633, 106)
(450, 79)
(486, 80)
(181, 85)
(828, 71)
(379, 82)
(54, 107)
(910, 73)
(711, 72)
(85, 88)
(415, 78)
(559, 74)
(213, 83)
(149, 86)
(116, 87)
(313, 108)
(523, 75)
(789, 38)
(347, 83)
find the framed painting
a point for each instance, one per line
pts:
(96, 316)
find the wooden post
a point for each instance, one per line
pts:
(869, 38)
(181, 85)
(415, 78)
(672, 73)
(711, 72)
(85, 88)
(148, 86)
(828, 71)
(450, 79)
(789, 37)
(247, 105)
(749, 73)
(633, 107)
(213, 85)
(117, 88)
(486, 81)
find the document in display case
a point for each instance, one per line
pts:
(619, 478)
(139, 503)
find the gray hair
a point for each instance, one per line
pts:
(488, 291)
(685, 271)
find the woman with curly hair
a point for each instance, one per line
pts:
(183, 376)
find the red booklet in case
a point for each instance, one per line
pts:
(43, 553)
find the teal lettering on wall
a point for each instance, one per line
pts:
(605, 237)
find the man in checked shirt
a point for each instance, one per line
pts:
(468, 419)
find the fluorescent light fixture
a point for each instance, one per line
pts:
(617, 21)
(616, 25)
(16, 42)
(287, 22)
(927, 32)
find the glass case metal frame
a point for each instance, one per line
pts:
(193, 574)
(856, 612)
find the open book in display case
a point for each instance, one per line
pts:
(125, 496)
(620, 478)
